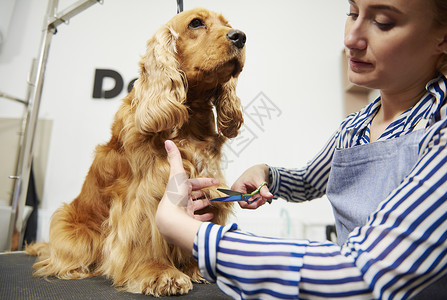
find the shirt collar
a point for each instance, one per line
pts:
(365, 115)
(430, 104)
(438, 89)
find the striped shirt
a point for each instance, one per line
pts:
(400, 250)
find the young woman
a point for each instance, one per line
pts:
(384, 171)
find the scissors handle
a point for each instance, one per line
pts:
(257, 190)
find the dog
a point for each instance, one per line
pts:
(189, 70)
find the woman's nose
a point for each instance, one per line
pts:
(355, 35)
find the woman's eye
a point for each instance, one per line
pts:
(196, 23)
(352, 15)
(384, 26)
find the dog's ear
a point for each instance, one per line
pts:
(160, 91)
(228, 109)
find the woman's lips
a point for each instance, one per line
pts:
(359, 64)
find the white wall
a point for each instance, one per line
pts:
(293, 59)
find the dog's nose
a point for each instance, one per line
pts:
(237, 37)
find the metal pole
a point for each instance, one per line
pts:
(6, 96)
(51, 21)
(179, 6)
(32, 111)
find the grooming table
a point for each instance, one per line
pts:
(17, 282)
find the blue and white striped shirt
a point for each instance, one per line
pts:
(400, 250)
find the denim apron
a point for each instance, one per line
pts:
(362, 176)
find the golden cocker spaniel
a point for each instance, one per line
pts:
(191, 65)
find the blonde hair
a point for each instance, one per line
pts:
(440, 19)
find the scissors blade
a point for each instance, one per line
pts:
(229, 192)
(228, 199)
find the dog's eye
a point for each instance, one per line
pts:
(196, 23)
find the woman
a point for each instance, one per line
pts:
(384, 171)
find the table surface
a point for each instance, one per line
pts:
(17, 282)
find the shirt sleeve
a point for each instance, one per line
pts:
(297, 185)
(248, 266)
(399, 251)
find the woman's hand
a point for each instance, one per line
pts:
(249, 181)
(175, 216)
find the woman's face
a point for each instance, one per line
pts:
(391, 44)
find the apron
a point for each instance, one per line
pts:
(362, 176)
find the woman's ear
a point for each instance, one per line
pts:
(228, 109)
(160, 91)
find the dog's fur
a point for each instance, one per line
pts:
(109, 229)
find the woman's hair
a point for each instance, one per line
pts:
(440, 11)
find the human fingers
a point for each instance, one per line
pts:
(251, 204)
(200, 204)
(177, 188)
(251, 179)
(240, 186)
(265, 192)
(205, 217)
(174, 158)
(197, 194)
(258, 199)
(201, 183)
(197, 205)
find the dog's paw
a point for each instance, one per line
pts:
(163, 283)
(195, 275)
(170, 283)
(198, 278)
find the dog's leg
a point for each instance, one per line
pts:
(158, 279)
(135, 256)
(73, 248)
(135, 272)
(153, 277)
(42, 250)
(192, 270)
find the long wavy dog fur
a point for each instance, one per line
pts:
(191, 65)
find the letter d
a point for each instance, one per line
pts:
(100, 74)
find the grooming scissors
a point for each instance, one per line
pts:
(238, 196)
